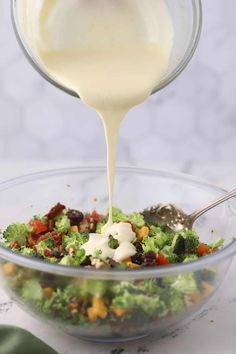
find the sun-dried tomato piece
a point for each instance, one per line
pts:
(39, 227)
(14, 245)
(32, 240)
(48, 252)
(55, 211)
(57, 238)
(43, 237)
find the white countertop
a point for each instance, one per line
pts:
(213, 330)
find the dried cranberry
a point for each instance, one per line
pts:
(75, 217)
(138, 246)
(55, 211)
(57, 254)
(149, 259)
(137, 258)
(86, 262)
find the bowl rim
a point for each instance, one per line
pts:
(90, 273)
(188, 54)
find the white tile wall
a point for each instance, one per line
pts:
(192, 120)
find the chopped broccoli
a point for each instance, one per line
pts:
(74, 260)
(164, 238)
(190, 258)
(113, 242)
(178, 244)
(67, 260)
(117, 215)
(137, 219)
(32, 291)
(191, 240)
(56, 305)
(217, 243)
(156, 240)
(62, 222)
(80, 256)
(150, 244)
(26, 251)
(94, 287)
(150, 305)
(185, 283)
(48, 243)
(100, 225)
(139, 296)
(17, 232)
(74, 240)
(176, 301)
(167, 251)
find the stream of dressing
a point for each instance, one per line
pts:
(112, 53)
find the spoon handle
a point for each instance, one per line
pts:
(218, 201)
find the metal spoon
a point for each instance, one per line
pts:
(175, 218)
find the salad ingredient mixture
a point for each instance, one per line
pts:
(70, 237)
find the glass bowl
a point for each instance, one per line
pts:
(187, 21)
(137, 302)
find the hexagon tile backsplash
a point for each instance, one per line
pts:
(193, 119)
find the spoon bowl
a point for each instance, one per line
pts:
(175, 218)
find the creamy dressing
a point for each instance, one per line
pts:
(112, 53)
(99, 243)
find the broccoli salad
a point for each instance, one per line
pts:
(69, 237)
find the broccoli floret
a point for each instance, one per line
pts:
(74, 240)
(150, 244)
(176, 301)
(178, 244)
(167, 251)
(48, 243)
(26, 251)
(32, 291)
(56, 305)
(143, 296)
(190, 258)
(150, 305)
(62, 222)
(113, 242)
(185, 283)
(137, 219)
(74, 260)
(17, 232)
(67, 260)
(80, 256)
(191, 240)
(100, 225)
(156, 240)
(94, 287)
(217, 244)
(164, 238)
(117, 215)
